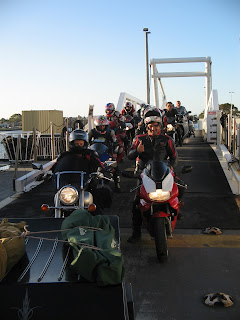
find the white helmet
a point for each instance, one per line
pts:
(152, 115)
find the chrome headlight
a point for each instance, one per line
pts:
(159, 195)
(88, 199)
(169, 127)
(68, 195)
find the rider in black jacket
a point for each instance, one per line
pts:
(102, 130)
(170, 112)
(170, 116)
(150, 146)
(153, 145)
(80, 158)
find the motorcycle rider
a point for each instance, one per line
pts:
(114, 116)
(150, 146)
(130, 115)
(102, 130)
(169, 112)
(116, 122)
(169, 116)
(80, 158)
(191, 126)
(184, 115)
(129, 110)
(181, 109)
(141, 126)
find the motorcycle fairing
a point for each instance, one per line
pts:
(174, 202)
(167, 183)
(174, 193)
(149, 184)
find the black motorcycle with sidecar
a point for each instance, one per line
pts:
(44, 284)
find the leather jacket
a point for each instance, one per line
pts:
(76, 160)
(160, 147)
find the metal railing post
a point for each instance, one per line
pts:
(234, 138)
(229, 132)
(35, 145)
(16, 160)
(219, 128)
(52, 141)
(238, 143)
(67, 136)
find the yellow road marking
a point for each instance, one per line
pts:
(203, 241)
(196, 241)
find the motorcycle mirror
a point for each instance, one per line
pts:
(186, 169)
(112, 164)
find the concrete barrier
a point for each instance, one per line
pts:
(30, 178)
(232, 166)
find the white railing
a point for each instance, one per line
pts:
(230, 136)
(21, 146)
(127, 97)
(18, 144)
(44, 149)
(210, 117)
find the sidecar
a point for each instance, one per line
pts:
(42, 285)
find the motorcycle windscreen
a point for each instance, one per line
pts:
(101, 149)
(171, 120)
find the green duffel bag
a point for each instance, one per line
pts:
(104, 266)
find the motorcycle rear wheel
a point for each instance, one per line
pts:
(160, 236)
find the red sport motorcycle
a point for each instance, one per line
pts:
(159, 203)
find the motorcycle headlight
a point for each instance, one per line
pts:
(68, 195)
(159, 195)
(169, 127)
(88, 199)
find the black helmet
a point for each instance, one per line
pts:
(78, 134)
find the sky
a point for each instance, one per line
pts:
(69, 54)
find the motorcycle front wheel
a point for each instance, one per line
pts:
(160, 236)
(180, 135)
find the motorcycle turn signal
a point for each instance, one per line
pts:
(45, 207)
(92, 207)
